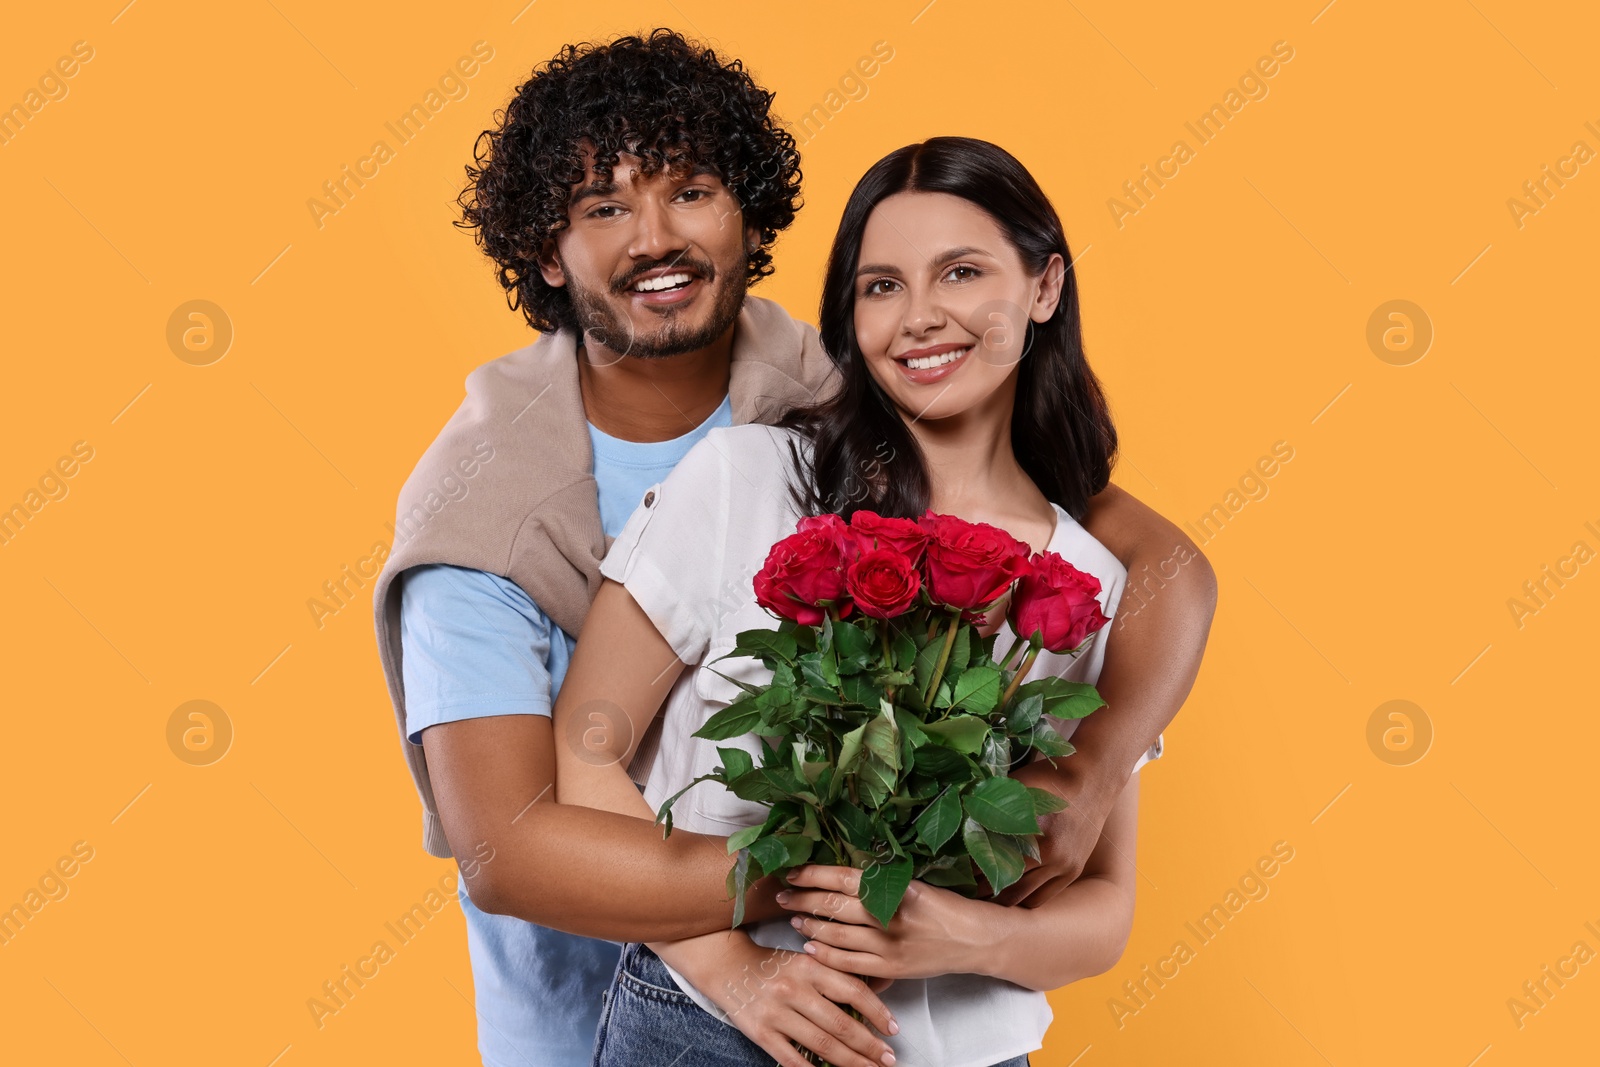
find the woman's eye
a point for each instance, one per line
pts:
(879, 287)
(963, 273)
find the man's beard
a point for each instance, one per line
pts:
(602, 324)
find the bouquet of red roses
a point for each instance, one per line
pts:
(889, 728)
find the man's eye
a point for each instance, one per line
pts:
(692, 195)
(605, 211)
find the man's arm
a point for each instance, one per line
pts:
(478, 692)
(1159, 631)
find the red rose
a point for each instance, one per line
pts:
(883, 582)
(830, 524)
(904, 536)
(804, 570)
(970, 564)
(1057, 601)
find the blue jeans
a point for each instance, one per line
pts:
(647, 1019)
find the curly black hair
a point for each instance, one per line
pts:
(659, 97)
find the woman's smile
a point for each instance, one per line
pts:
(935, 363)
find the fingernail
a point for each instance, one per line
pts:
(894, 1027)
(783, 898)
(888, 1058)
(811, 947)
(796, 922)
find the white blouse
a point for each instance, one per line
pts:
(688, 556)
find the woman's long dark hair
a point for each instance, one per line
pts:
(863, 454)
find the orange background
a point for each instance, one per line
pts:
(1230, 312)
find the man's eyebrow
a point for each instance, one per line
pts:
(608, 186)
(599, 187)
(938, 261)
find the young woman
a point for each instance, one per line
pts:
(952, 313)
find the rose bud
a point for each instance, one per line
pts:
(1058, 602)
(804, 572)
(970, 564)
(883, 583)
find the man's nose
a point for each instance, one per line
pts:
(654, 236)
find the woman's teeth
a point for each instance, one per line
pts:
(665, 281)
(928, 362)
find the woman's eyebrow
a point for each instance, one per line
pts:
(938, 261)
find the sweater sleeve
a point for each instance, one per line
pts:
(670, 555)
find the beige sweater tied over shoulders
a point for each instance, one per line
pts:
(508, 486)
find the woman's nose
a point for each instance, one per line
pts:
(924, 313)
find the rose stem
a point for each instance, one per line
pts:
(944, 657)
(1022, 670)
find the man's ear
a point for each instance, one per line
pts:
(550, 266)
(1049, 291)
(752, 239)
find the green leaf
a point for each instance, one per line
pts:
(939, 820)
(1048, 739)
(1045, 802)
(1025, 713)
(780, 852)
(964, 733)
(1002, 805)
(825, 635)
(738, 718)
(996, 757)
(853, 822)
(882, 887)
(978, 689)
(853, 646)
(949, 871)
(664, 813)
(947, 765)
(961, 651)
(861, 690)
(743, 838)
(876, 781)
(1063, 698)
(850, 748)
(905, 651)
(763, 644)
(882, 738)
(739, 883)
(735, 762)
(999, 861)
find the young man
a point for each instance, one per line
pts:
(628, 198)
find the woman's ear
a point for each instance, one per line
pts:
(1048, 294)
(550, 266)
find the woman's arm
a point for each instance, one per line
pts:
(617, 681)
(1080, 932)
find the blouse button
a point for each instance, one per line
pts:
(650, 498)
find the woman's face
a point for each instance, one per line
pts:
(942, 303)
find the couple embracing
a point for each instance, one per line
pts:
(546, 634)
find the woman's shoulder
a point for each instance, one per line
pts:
(1074, 543)
(753, 449)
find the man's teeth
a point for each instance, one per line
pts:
(926, 362)
(665, 281)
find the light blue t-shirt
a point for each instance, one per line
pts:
(476, 645)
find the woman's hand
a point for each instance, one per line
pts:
(777, 998)
(935, 931)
